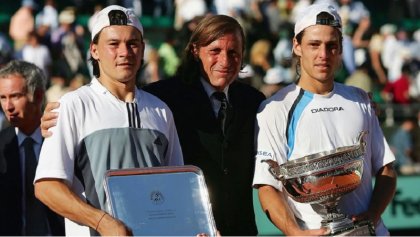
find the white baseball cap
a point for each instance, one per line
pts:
(115, 15)
(308, 17)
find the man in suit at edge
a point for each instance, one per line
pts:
(211, 62)
(22, 88)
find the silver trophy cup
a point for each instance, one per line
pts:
(323, 178)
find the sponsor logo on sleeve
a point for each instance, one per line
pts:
(264, 154)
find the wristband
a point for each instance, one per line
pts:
(100, 221)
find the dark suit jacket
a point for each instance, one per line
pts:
(11, 189)
(227, 161)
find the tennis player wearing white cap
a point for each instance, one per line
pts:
(107, 124)
(314, 115)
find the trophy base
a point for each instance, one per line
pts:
(362, 228)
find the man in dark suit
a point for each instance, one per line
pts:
(216, 133)
(225, 152)
(22, 88)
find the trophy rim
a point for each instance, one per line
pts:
(333, 158)
(312, 158)
(321, 155)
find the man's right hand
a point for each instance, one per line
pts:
(49, 118)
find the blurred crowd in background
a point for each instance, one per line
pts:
(380, 54)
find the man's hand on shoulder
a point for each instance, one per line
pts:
(49, 118)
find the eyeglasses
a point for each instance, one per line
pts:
(117, 17)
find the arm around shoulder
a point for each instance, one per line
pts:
(49, 118)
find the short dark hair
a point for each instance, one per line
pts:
(95, 66)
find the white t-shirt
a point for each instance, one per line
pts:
(97, 132)
(294, 123)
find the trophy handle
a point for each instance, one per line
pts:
(274, 169)
(361, 139)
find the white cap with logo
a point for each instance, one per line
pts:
(115, 15)
(308, 17)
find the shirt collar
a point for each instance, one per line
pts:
(36, 136)
(210, 90)
(99, 88)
